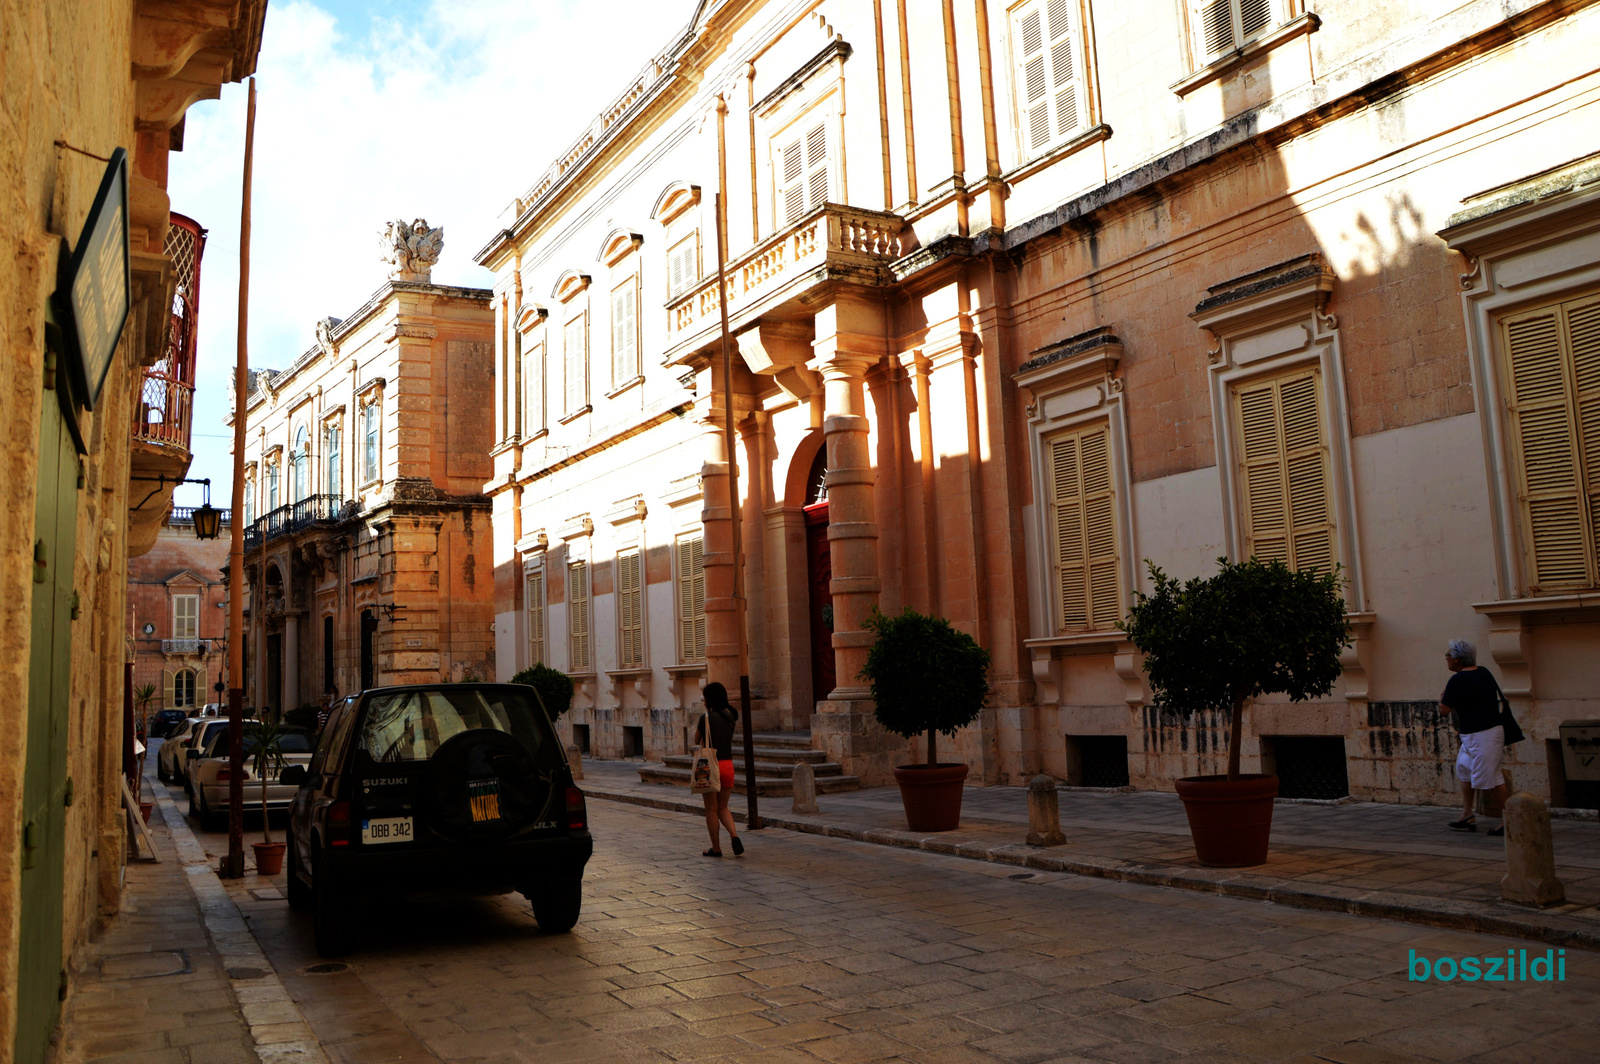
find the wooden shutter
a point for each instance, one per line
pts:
(624, 334)
(575, 345)
(167, 696)
(1082, 521)
(535, 604)
(692, 597)
(1553, 366)
(683, 264)
(1254, 17)
(202, 687)
(185, 616)
(803, 174)
(1047, 72)
(578, 617)
(630, 609)
(533, 382)
(1284, 471)
(1224, 26)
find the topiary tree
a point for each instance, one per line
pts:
(554, 687)
(1254, 628)
(926, 676)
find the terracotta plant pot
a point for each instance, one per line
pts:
(931, 795)
(269, 857)
(144, 810)
(1231, 820)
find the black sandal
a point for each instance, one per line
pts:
(712, 853)
(738, 847)
(1464, 824)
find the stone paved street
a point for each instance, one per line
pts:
(819, 949)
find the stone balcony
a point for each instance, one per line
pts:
(833, 244)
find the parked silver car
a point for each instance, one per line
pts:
(204, 731)
(169, 759)
(210, 776)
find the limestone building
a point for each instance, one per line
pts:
(92, 98)
(1024, 294)
(177, 620)
(367, 534)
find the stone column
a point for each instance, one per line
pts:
(291, 663)
(716, 518)
(850, 341)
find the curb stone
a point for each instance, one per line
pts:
(1228, 883)
(279, 1031)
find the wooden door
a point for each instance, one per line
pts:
(819, 575)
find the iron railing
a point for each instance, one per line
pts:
(313, 509)
(165, 395)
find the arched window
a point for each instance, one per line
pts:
(299, 465)
(183, 688)
(334, 481)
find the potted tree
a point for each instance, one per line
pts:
(554, 687)
(267, 761)
(926, 676)
(1254, 628)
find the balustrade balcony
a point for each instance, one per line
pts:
(309, 511)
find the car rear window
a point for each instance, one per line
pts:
(411, 725)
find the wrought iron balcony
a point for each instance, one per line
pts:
(833, 242)
(311, 510)
(186, 646)
(165, 399)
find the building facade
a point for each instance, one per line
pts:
(1025, 295)
(177, 617)
(83, 89)
(367, 534)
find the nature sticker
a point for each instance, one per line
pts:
(485, 796)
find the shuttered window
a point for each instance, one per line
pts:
(1553, 387)
(575, 341)
(1082, 504)
(1048, 79)
(1282, 444)
(533, 382)
(803, 173)
(630, 610)
(534, 592)
(624, 332)
(186, 616)
(1224, 26)
(692, 597)
(578, 658)
(683, 265)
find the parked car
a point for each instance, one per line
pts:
(169, 759)
(164, 721)
(210, 776)
(200, 733)
(459, 787)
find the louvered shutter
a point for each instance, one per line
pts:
(683, 265)
(624, 335)
(202, 687)
(1083, 523)
(1047, 72)
(1284, 472)
(575, 343)
(167, 697)
(630, 611)
(692, 597)
(803, 174)
(535, 604)
(185, 616)
(816, 166)
(1254, 16)
(578, 617)
(1033, 78)
(1063, 67)
(1223, 26)
(533, 381)
(1553, 358)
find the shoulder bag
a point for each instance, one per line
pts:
(704, 776)
(1507, 721)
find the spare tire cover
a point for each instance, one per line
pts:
(483, 787)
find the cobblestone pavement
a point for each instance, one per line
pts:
(814, 949)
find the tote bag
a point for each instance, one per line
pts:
(704, 777)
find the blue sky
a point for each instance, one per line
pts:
(370, 111)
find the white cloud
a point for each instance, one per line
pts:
(446, 115)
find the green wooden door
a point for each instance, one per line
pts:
(44, 790)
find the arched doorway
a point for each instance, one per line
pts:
(819, 576)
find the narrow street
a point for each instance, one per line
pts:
(812, 948)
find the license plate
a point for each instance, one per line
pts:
(485, 795)
(386, 829)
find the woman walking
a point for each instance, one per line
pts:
(722, 717)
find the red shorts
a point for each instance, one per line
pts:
(725, 769)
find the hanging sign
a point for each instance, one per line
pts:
(92, 292)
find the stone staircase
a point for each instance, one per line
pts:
(777, 753)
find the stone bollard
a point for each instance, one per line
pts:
(575, 761)
(805, 789)
(1044, 812)
(1530, 854)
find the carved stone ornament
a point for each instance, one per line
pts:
(325, 329)
(410, 249)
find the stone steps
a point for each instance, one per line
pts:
(766, 786)
(777, 753)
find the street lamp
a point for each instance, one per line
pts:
(207, 522)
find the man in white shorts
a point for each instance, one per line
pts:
(1472, 700)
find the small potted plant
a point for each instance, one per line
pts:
(926, 676)
(1213, 644)
(267, 761)
(554, 686)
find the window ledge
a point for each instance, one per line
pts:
(629, 674)
(625, 385)
(507, 444)
(690, 669)
(1575, 600)
(1106, 641)
(576, 414)
(1298, 26)
(1092, 135)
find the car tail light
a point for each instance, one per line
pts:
(225, 775)
(577, 812)
(339, 824)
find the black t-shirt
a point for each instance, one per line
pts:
(721, 732)
(1474, 700)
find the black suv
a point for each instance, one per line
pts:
(442, 786)
(165, 721)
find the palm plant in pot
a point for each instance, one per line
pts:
(266, 763)
(926, 676)
(1214, 643)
